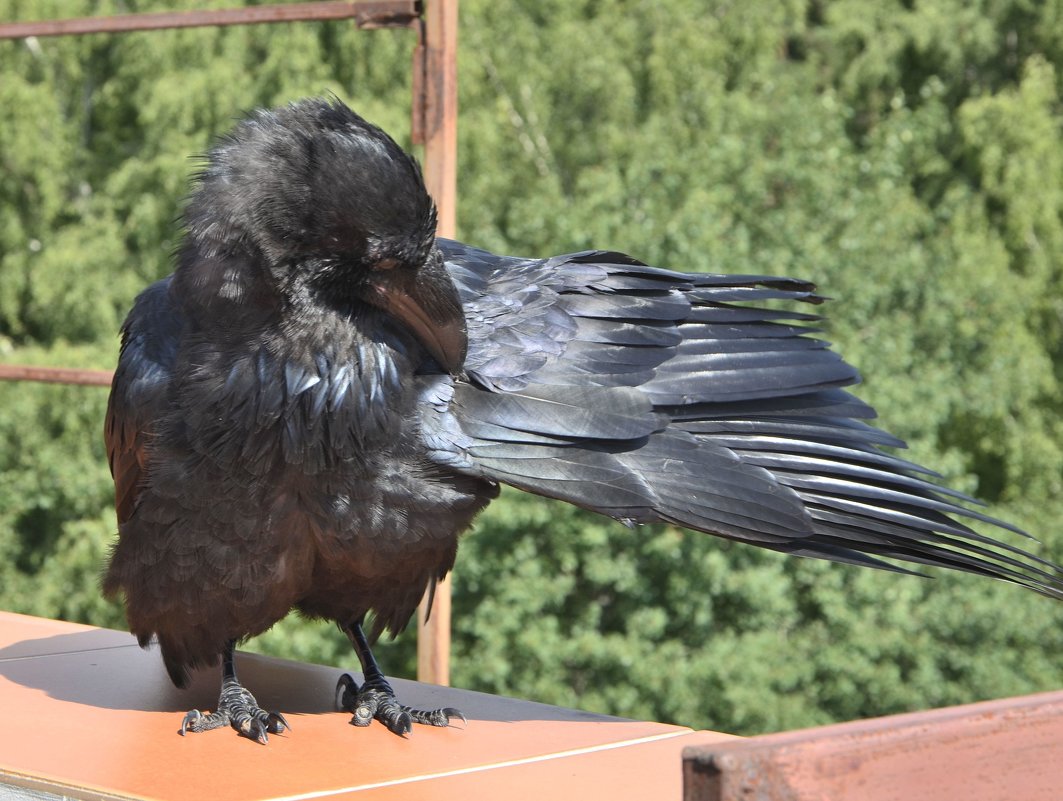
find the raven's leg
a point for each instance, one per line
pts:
(376, 698)
(237, 707)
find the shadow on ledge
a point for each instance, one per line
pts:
(107, 669)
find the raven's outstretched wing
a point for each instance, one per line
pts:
(139, 391)
(650, 395)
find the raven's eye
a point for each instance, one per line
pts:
(386, 264)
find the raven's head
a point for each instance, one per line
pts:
(316, 201)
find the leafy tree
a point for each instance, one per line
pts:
(905, 156)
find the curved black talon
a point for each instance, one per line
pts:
(277, 723)
(196, 721)
(254, 730)
(191, 719)
(438, 717)
(346, 686)
(259, 729)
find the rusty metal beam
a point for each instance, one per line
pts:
(365, 13)
(435, 125)
(55, 375)
(976, 752)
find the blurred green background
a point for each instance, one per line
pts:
(907, 156)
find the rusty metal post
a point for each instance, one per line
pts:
(436, 126)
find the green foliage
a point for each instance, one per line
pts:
(905, 156)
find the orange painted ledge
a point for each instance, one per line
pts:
(86, 714)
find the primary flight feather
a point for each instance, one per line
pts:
(313, 407)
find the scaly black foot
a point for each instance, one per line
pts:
(376, 700)
(237, 708)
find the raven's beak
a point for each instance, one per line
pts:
(428, 304)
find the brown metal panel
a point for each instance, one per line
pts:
(1006, 749)
(365, 13)
(55, 375)
(436, 125)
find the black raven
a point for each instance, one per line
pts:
(323, 395)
